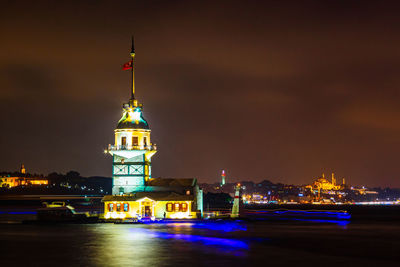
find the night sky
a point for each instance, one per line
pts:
(278, 91)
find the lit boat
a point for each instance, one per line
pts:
(59, 212)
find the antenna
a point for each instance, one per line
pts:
(133, 70)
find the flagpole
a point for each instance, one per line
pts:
(133, 71)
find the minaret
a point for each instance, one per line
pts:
(223, 178)
(132, 150)
(23, 170)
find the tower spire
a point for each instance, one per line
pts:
(133, 45)
(133, 73)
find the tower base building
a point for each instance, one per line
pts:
(162, 199)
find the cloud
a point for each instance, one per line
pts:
(377, 117)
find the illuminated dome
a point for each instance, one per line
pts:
(132, 119)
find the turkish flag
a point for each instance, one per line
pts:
(128, 65)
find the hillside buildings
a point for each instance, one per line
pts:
(22, 180)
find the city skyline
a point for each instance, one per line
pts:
(307, 90)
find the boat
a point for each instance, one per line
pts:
(59, 212)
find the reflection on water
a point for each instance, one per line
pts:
(158, 244)
(217, 245)
(226, 226)
(230, 243)
(118, 246)
(342, 223)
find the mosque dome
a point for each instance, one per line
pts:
(132, 119)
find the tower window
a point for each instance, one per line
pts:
(135, 140)
(123, 141)
(145, 141)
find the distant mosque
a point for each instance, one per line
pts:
(321, 183)
(135, 194)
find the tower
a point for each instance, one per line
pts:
(236, 203)
(223, 178)
(23, 170)
(132, 149)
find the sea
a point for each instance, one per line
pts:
(244, 242)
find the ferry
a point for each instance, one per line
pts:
(59, 212)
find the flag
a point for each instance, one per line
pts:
(128, 65)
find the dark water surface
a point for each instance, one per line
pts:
(238, 243)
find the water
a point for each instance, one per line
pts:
(238, 243)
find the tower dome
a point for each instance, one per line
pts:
(132, 118)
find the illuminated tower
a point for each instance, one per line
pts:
(223, 178)
(133, 149)
(23, 170)
(236, 203)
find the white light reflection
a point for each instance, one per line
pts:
(147, 245)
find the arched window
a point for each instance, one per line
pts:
(126, 207)
(177, 207)
(184, 207)
(111, 207)
(170, 207)
(118, 206)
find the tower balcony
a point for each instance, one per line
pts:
(151, 147)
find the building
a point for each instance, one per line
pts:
(162, 198)
(22, 179)
(8, 181)
(135, 194)
(321, 183)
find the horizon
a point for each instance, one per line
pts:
(235, 181)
